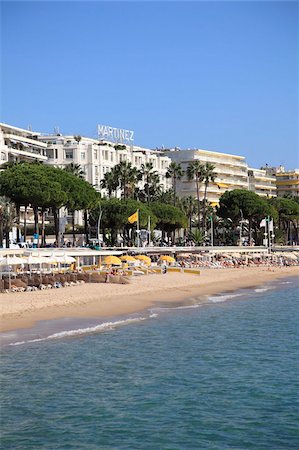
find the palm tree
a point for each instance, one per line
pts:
(128, 177)
(189, 206)
(110, 182)
(175, 172)
(150, 176)
(195, 170)
(76, 169)
(208, 175)
(7, 219)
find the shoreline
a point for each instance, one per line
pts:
(23, 310)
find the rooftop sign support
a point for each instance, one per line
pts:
(115, 134)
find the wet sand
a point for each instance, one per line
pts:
(24, 309)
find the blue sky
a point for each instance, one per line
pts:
(221, 76)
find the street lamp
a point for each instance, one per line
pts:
(241, 222)
(99, 225)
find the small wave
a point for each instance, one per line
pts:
(174, 308)
(223, 298)
(285, 282)
(153, 315)
(262, 289)
(82, 331)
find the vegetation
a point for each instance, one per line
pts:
(45, 188)
(175, 172)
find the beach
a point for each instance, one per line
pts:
(24, 309)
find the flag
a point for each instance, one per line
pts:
(271, 225)
(133, 218)
(263, 223)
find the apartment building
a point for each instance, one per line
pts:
(231, 170)
(287, 182)
(18, 144)
(97, 157)
(262, 183)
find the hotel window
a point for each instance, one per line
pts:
(95, 155)
(56, 153)
(50, 153)
(69, 154)
(111, 157)
(82, 155)
(3, 156)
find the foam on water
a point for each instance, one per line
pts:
(264, 289)
(82, 331)
(223, 298)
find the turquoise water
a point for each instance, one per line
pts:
(220, 376)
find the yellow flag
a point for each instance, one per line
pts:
(133, 218)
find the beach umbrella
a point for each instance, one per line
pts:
(66, 259)
(146, 259)
(127, 258)
(167, 258)
(112, 260)
(11, 261)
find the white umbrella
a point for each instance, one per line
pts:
(11, 261)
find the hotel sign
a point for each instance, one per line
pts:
(115, 134)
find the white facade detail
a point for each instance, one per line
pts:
(260, 182)
(231, 173)
(98, 157)
(18, 144)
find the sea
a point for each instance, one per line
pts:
(219, 375)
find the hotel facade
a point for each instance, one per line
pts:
(231, 173)
(97, 157)
(262, 183)
(17, 144)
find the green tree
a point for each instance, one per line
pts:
(128, 178)
(208, 176)
(195, 170)
(175, 172)
(115, 214)
(288, 216)
(7, 219)
(240, 202)
(151, 178)
(110, 182)
(169, 218)
(189, 206)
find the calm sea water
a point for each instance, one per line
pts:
(220, 376)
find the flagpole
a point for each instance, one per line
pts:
(149, 229)
(137, 228)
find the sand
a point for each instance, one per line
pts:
(22, 310)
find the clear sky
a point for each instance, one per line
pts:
(221, 76)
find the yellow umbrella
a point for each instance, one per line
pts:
(127, 258)
(112, 260)
(144, 258)
(167, 258)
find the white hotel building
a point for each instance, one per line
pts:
(98, 157)
(17, 144)
(231, 173)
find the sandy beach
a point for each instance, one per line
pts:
(22, 310)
